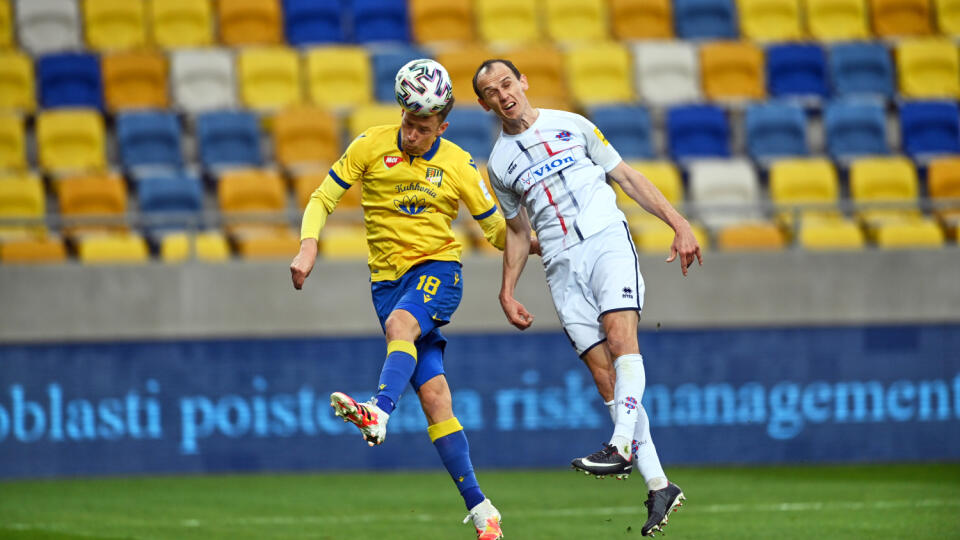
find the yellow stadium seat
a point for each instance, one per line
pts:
(16, 81)
(831, 235)
(641, 19)
(114, 24)
(135, 80)
(948, 17)
(116, 248)
(6, 24)
(339, 76)
(576, 20)
(375, 114)
(181, 23)
(93, 197)
(884, 180)
(912, 234)
(770, 20)
(447, 21)
(251, 190)
(804, 181)
(600, 73)
(508, 21)
(71, 139)
(343, 242)
(461, 64)
(928, 68)
(206, 246)
(306, 135)
(22, 197)
(267, 244)
(13, 146)
(943, 182)
(543, 66)
(304, 185)
(662, 174)
(269, 77)
(732, 70)
(837, 20)
(32, 250)
(654, 237)
(249, 22)
(750, 237)
(892, 18)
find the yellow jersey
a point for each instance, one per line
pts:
(408, 202)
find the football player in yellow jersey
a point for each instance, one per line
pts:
(412, 182)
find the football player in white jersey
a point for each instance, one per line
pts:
(549, 168)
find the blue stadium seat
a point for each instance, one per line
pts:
(166, 200)
(229, 138)
(776, 129)
(308, 21)
(627, 128)
(385, 64)
(861, 68)
(473, 130)
(148, 139)
(698, 131)
(930, 128)
(855, 128)
(797, 70)
(70, 80)
(705, 19)
(380, 20)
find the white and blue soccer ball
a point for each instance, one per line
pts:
(423, 87)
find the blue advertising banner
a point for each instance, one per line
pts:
(848, 394)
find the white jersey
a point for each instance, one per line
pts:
(557, 170)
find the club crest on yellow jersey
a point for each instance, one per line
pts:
(435, 176)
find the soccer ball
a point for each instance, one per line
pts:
(423, 87)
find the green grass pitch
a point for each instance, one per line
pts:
(780, 503)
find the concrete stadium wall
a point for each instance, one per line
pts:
(73, 302)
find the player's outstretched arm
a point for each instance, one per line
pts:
(642, 190)
(303, 263)
(514, 258)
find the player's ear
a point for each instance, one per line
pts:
(483, 104)
(442, 127)
(523, 82)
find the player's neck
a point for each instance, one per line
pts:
(522, 123)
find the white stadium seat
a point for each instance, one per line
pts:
(46, 26)
(203, 79)
(730, 182)
(666, 72)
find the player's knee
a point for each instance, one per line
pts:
(621, 342)
(401, 325)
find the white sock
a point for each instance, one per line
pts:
(627, 392)
(648, 463)
(612, 407)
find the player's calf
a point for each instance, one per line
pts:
(371, 420)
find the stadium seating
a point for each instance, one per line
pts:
(385, 62)
(380, 20)
(114, 24)
(306, 136)
(775, 130)
(70, 80)
(915, 234)
(339, 242)
(170, 201)
(544, 68)
(461, 63)
(508, 21)
(269, 77)
(117, 248)
(202, 79)
(837, 20)
(13, 142)
(33, 250)
(6, 25)
(930, 128)
(732, 70)
(450, 21)
(855, 128)
(149, 139)
(16, 81)
(705, 19)
(831, 236)
(473, 130)
(93, 195)
(928, 68)
(576, 20)
(726, 192)
(251, 190)
(943, 182)
(306, 183)
(697, 131)
(948, 17)
(890, 181)
(228, 139)
(249, 22)
(71, 139)
(861, 69)
(806, 187)
(770, 20)
(628, 129)
(339, 76)
(641, 19)
(47, 26)
(205, 246)
(649, 233)
(135, 80)
(664, 175)
(892, 18)
(599, 73)
(21, 197)
(308, 22)
(181, 23)
(367, 116)
(667, 72)
(797, 70)
(750, 237)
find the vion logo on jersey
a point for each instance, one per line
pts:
(547, 167)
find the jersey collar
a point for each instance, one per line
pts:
(429, 153)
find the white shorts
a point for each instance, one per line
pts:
(596, 276)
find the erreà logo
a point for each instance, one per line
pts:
(390, 161)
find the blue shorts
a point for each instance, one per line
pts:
(431, 292)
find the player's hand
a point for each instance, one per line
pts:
(303, 263)
(686, 247)
(535, 247)
(516, 313)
